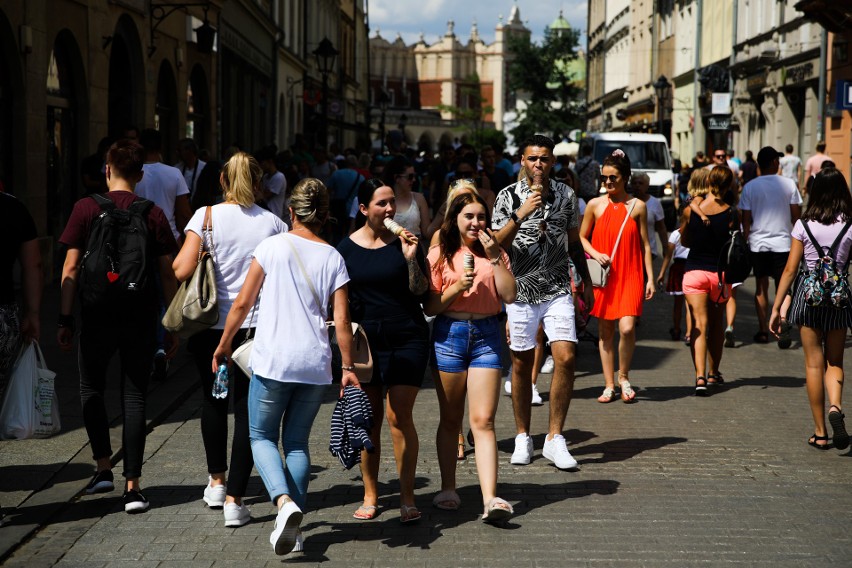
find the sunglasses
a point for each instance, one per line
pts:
(610, 178)
(409, 177)
(719, 155)
(543, 159)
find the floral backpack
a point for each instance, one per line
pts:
(826, 285)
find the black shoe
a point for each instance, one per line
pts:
(135, 502)
(841, 437)
(161, 366)
(102, 482)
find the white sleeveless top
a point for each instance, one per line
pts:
(410, 218)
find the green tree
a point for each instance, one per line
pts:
(472, 116)
(542, 75)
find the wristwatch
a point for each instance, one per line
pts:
(514, 217)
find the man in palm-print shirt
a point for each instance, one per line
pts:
(537, 220)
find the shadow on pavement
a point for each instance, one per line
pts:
(620, 450)
(24, 477)
(663, 394)
(387, 530)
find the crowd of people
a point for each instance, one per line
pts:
(491, 250)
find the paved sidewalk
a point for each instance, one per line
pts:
(672, 480)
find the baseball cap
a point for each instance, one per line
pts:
(767, 155)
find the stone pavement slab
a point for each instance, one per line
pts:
(673, 480)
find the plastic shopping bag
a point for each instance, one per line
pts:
(30, 408)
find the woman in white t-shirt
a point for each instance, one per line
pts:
(822, 328)
(291, 355)
(238, 226)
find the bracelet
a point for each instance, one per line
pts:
(348, 367)
(65, 321)
(495, 261)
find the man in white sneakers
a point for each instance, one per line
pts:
(770, 204)
(536, 220)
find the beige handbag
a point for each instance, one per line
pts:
(598, 273)
(194, 307)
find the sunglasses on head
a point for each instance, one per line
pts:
(611, 178)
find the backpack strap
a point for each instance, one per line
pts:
(104, 202)
(141, 206)
(836, 244)
(820, 249)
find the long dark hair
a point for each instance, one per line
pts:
(449, 238)
(828, 197)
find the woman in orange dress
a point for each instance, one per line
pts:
(630, 280)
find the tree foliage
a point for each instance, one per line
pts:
(541, 76)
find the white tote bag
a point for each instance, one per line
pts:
(30, 407)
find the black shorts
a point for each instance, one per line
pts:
(400, 347)
(769, 264)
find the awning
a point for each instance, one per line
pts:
(833, 15)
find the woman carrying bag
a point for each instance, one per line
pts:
(237, 226)
(823, 327)
(622, 247)
(291, 355)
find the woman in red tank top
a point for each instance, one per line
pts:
(619, 303)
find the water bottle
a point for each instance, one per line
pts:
(220, 385)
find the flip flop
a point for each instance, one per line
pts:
(607, 396)
(408, 514)
(627, 392)
(447, 500)
(497, 510)
(370, 513)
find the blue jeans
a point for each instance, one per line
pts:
(298, 404)
(461, 344)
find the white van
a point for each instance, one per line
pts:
(648, 153)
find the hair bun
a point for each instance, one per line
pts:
(618, 153)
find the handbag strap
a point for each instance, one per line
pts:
(310, 282)
(623, 223)
(206, 232)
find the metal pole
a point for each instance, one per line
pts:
(324, 131)
(382, 139)
(823, 52)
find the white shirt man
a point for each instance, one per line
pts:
(791, 166)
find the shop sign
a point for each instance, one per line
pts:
(756, 82)
(797, 74)
(718, 122)
(844, 95)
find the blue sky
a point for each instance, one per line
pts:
(411, 17)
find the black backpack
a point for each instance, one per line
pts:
(734, 264)
(115, 267)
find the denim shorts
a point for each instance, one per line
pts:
(462, 344)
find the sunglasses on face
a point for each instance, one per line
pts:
(719, 155)
(610, 178)
(409, 177)
(543, 159)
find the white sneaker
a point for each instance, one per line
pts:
(507, 387)
(536, 398)
(283, 538)
(236, 515)
(214, 496)
(547, 367)
(523, 450)
(556, 450)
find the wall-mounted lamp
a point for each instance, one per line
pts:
(26, 39)
(179, 57)
(205, 34)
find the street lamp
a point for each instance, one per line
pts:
(384, 99)
(661, 87)
(325, 55)
(403, 120)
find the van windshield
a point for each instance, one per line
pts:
(643, 155)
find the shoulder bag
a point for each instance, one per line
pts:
(242, 354)
(195, 307)
(597, 272)
(362, 358)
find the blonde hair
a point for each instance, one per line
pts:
(697, 186)
(456, 187)
(309, 201)
(240, 175)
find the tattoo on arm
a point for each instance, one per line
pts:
(417, 281)
(578, 257)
